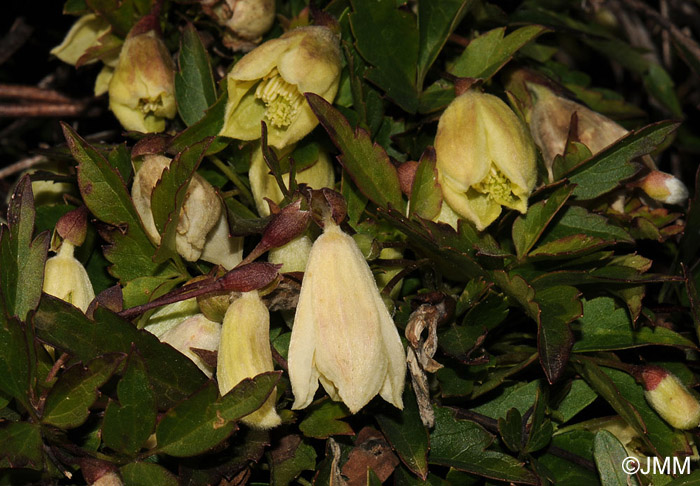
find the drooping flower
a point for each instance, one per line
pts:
(244, 352)
(343, 335)
(485, 158)
(268, 84)
(195, 332)
(83, 34)
(66, 278)
(142, 87)
(202, 228)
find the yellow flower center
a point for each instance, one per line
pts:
(150, 105)
(282, 100)
(497, 186)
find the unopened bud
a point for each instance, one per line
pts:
(66, 278)
(663, 187)
(670, 398)
(343, 335)
(245, 352)
(169, 316)
(268, 84)
(142, 88)
(485, 158)
(195, 332)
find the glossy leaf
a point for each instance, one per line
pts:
(195, 91)
(426, 195)
(323, 420)
(147, 474)
(609, 455)
(528, 229)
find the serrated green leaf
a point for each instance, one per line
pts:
(21, 446)
(193, 426)
(66, 328)
(195, 90)
(436, 21)
(405, 432)
(488, 53)
(208, 126)
(367, 163)
(426, 196)
(147, 474)
(129, 422)
(528, 228)
(67, 404)
(169, 193)
(379, 28)
(323, 420)
(609, 454)
(463, 444)
(21, 258)
(604, 171)
(604, 327)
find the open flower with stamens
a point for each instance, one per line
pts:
(343, 335)
(485, 158)
(268, 84)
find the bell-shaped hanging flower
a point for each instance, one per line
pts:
(670, 398)
(202, 228)
(66, 278)
(195, 332)
(268, 84)
(485, 158)
(343, 335)
(83, 35)
(244, 352)
(142, 87)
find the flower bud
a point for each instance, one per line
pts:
(142, 88)
(343, 334)
(485, 158)
(66, 278)
(293, 256)
(268, 84)
(670, 398)
(83, 35)
(663, 187)
(244, 352)
(202, 228)
(195, 332)
(169, 316)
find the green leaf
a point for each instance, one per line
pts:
(21, 445)
(323, 420)
(609, 454)
(292, 456)
(520, 396)
(488, 53)
(405, 432)
(692, 479)
(195, 90)
(147, 474)
(426, 195)
(209, 126)
(463, 445)
(436, 21)
(129, 422)
(172, 375)
(605, 327)
(121, 15)
(14, 360)
(578, 446)
(21, 258)
(511, 430)
(367, 163)
(120, 158)
(604, 171)
(67, 404)
(528, 229)
(379, 28)
(248, 396)
(578, 397)
(559, 306)
(169, 193)
(193, 426)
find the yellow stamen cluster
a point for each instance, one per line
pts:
(497, 186)
(150, 105)
(282, 100)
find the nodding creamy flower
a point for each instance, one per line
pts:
(66, 278)
(663, 187)
(244, 352)
(202, 228)
(268, 84)
(142, 87)
(195, 332)
(83, 34)
(485, 158)
(343, 335)
(670, 398)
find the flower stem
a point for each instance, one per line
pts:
(233, 177)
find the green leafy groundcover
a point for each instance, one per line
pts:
(545, 318)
